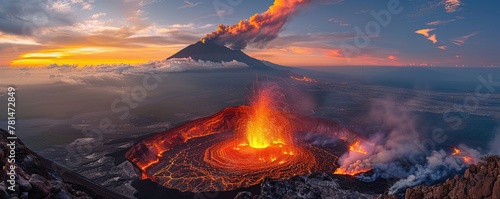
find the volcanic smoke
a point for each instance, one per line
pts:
(259, 28)
(239, 147)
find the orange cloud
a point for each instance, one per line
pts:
(392, 57)
(432, 38)
(300, 50)
(82, 56)
(451, 5)
(334, 53)
(443, 47)
(426, 34)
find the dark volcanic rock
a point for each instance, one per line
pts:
(317, 186)
(33, 179)
(23, 184)
(212, 52)
(479, 181)
(41, 187)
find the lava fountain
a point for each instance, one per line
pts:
(238, 147)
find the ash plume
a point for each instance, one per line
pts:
(259, 28)
(400, 151)
(495, 143)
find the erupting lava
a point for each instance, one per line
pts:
(266, 123)
(355, 147)
(466, 157)
(238, 147)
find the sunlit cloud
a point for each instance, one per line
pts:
(17, 40)
(70, 5)
(207, 26)
(189, 25)
(392, 57)
(451, 5)
(433, 38)
(441, 22)
(338, 22)
(443, 47)
(98, 15)
(426, 34)
(461, 41)
(297, 50)
(334, 53)
(65, 52)
(189, 4)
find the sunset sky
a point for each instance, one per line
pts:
(87, 32)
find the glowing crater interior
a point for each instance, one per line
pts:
(237, 147)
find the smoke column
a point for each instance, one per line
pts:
(259, 28)
(399, 152)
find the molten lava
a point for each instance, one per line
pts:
(238, 147)
(266, 124)
(356, 147)
(466, 157)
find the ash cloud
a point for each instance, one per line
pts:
(494, 145)
(399, 150)
(259, 28)
(397, 137)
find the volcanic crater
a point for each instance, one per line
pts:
(240, 147)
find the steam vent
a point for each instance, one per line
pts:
(238, 147)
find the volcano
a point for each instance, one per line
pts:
(210, 51)
(239, 147)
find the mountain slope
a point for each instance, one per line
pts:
(212, 52)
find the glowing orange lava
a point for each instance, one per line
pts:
(238, 147)
(356, 147)
(266, 123)
(466, 157)
(343, 171)
(304, 79)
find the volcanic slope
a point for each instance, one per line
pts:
(209, 51)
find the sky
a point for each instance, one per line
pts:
(291, 33)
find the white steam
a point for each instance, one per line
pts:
(399, 150)
(494, 145)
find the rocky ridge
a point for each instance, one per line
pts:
(481, 180)
(315, 186)
(33, 179)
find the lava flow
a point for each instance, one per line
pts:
(238, 147)
(355, 147)
(466, 157)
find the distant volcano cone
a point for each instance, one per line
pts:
(209, 51)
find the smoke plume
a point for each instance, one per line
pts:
(495, 143)
(259, 28)
(399, 150)
(397, 137)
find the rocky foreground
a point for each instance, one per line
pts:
(318, 186)
(36, 177)
(481, 180)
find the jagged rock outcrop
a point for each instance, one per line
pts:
(481, 180)
(32, 179)
(317, 186)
